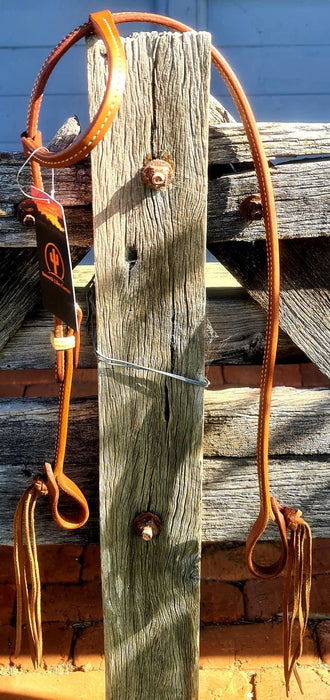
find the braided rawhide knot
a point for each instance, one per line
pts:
(40, 485)
(292, 517)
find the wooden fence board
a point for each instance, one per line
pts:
(20, 289)
(230, 494)
(302, 203)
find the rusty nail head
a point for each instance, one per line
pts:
(250, 208)
(147, 525)
(157, 173)
(26, 213)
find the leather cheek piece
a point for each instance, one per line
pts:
(100, 23)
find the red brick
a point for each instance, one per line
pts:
(7, 571)
(321, 556)
(242, 375)
(26, 376)
(42, 390)
(320, 595)
(215, 376)
(263, 599)
(269, 685)
(250, 646)
(7, 598)
(220, 602)
(52, 686)
(57, 639)
(217, 646)
(92, 563)
(59, 563)
(249, 375)
(311, 376)
(84, 389)
(287, 375)
(230, 565)
(72, 603)
(89, 648)
(8, 391)
(7, 644)
(323, 636)
(220, 685)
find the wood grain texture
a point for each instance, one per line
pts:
(299, 448)
(228, 142)
(19, 284)
(230, 494)
(299, 186)
(305, 294)
(230, 497)
(234, 329)
(299, 422)
(20, 290)
(302, 203)
(299, 425)
(150, 297)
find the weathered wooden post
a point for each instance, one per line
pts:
(150, 292)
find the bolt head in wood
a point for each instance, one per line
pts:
(147, 526)
(157, 174)
(26, 213)
(250, 208)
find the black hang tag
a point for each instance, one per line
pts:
(57, 290)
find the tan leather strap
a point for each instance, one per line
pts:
(100, 23)
(55, 478)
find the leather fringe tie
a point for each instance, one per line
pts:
(27, 571)
(296, 592)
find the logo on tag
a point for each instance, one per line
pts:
(54, 261)
(55, 268)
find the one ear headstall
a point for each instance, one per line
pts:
(295, 555)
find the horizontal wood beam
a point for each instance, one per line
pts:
(230, 494)
(302, 203)
(296, 184)
(299, 426)
(228, 143)
(305, 295)
(230, 498)
(298, 463)
(235, 328)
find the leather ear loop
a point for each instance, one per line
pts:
(270, 223)
(100, 23)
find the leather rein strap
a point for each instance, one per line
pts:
(297, 555)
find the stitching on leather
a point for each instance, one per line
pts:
(73, 157)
